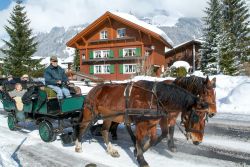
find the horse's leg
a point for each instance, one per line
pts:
(140, 134)
(154, 139)
(171, 144)
(113, 130)
(132, 136)
(105, 134)
(82, 128)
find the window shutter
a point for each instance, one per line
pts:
(120, 52)
(91, 54)
(91, 69)
(121, 68)
(138, 52)
(111, 54)
(112, 69)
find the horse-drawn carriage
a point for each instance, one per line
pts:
(144, 103)
(51, 115)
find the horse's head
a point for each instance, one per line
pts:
(194, 122)
(208, 95)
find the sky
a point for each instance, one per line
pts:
(45, 14)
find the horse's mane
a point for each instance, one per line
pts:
(193, 83)
(170, 93)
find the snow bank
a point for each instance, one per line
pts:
(178, 64)
(233, 94)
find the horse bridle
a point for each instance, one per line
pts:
(193, 117)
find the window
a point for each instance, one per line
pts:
(129, 68)
(98, 69)
(104, 34)
(129, 52)
(102, 69)
(121, 32)
(97, 54)
(101, 53)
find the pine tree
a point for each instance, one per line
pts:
(76, 63)
(21, 45)
(211, 31)
(235, 40)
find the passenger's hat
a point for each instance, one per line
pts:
(25, 76)
(53, 58)
(10, 76)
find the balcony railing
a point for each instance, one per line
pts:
(112, 59)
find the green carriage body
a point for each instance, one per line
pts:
(45, 109)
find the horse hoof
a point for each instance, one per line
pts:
(78, 150)
(143, 163)
(135, 152)
(173, 149)
(115, 154)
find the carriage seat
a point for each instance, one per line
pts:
(51, 94)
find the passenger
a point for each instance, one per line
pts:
(9, 80)
(9, 84)
(25, 78)
(17, 95)
(56, 79)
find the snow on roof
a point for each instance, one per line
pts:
(178, 64)
(143, 24)
(193, 40)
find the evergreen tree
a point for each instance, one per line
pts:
(76, 63)
(234, 40)
(211, 31)
(21, 45)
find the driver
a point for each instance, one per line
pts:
(56, 79)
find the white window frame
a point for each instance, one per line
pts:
(118, 34)
(126, 52)
(129, 68)
(102, 69)
(102, 54)
(104, 34)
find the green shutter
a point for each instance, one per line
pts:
(121, 68)
(91, 69)
(91, 54)
(111, 54)
(138, 51)
(112, 69)
(120, 52)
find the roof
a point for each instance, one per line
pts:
(143, 24)
(183, 45)
(129, 20)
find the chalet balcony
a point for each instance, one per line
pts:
(112, 40)
(123, 59)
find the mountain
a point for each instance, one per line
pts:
(178, 29)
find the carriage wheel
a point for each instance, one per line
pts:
(12, 122)
(46, 131)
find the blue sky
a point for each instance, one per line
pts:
(4, 4)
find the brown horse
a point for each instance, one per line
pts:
(204, 89)
(200, 87)
(144, 104)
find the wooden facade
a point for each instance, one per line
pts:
(188, 51)
(115, 48)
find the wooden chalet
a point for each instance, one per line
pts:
(117, 46)
(188, 51)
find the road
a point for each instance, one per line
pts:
(226, 143)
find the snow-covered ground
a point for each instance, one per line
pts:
(226, 142)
